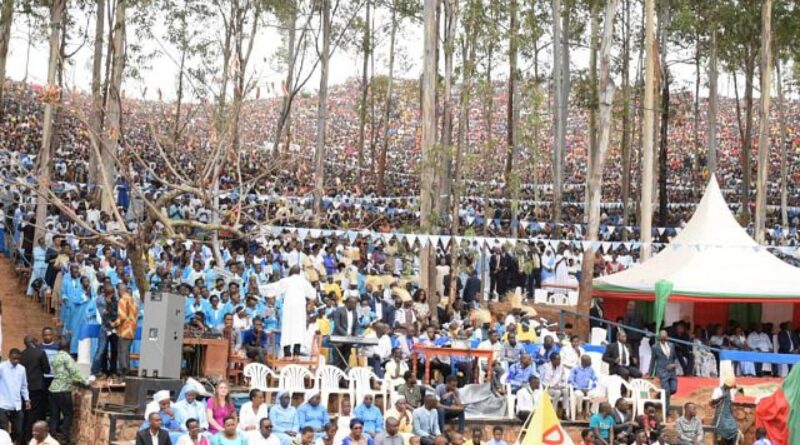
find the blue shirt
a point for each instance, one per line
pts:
(426, 422)
(249, 339)
(603, 424)
(13, 386)
(519, 375)
(314, 416)
(583, 378)
(543, 355)
(372, 418)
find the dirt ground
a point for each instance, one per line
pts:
(21, 315)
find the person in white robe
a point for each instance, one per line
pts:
(297, 291)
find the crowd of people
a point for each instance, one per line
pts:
(289, 288)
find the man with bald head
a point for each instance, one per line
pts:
(391, 434)
(41, 434)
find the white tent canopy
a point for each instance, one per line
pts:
(716, 261)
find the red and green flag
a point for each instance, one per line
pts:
(779, 413)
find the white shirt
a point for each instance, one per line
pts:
(5, 439)
(255, 438)
(718, 393)
(624, 357)
(527, 399)
(247, 417)
(759, 342)
(350, 320)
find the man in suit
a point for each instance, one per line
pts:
(345, 323)
(153, 434)
(36, 367)
(788, 341)
(494, 272)
(624, 423)
(383, 309)
(666, 363)
(472, 289)
(619, 358)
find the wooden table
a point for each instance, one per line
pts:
(215, 354)
(429, 352)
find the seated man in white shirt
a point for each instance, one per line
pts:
(759, 341)
(377, 355)
(395, 368)
(527, 397)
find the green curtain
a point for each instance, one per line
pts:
(646, 308)
(663, 289)
(745, 313)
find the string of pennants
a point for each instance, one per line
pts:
(443, 241)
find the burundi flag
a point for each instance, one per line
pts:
(544, 427)
(779, 413)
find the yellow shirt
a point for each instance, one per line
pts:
(522, 336)
(333, 287)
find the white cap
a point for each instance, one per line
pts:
(160, 396)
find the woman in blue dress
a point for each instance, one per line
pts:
(39, 269)
(314, 415)
(285, 424)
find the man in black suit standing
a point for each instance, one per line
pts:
(666, 363)
(36, 367)
(619, 358)
(345, 322)
(472, 289)
(788, 341)
(494, 273)
(153, 435)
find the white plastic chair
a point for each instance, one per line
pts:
(361, 385)
(614, 385)
(599, 336)
(259, 375)
(293, 379)
(575, 401)
(642, 391)
(573, 297)
(558, 299)
(539, 296)
(511, 399)
(329, 379)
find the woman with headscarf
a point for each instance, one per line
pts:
(219, 407)
(357, 436)
(313, 414)
(163, 405)
(251, 413)
(726, 429)
(188, 407)
(548, 266)
(285, 424)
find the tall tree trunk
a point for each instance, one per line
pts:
(594, 42)
(176, 127)
(114, 108)
(605, 95)
(764, 145)
(626, 118)
(283, 126)
(362, 111)
(467, 54)
(713, 100)
(445, 168)
(696, 123)
(647, 131)
(6, 19)
(427, 190)
(747, 143)
(558, 123)
(322, 114)
(387, 110)
(783, 138)
(513, 78)
(97, 83)
(57, 9)
(663, 155)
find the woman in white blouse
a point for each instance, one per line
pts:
(253, 411)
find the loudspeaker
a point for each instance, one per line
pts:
(162, 336)
(139, 390)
